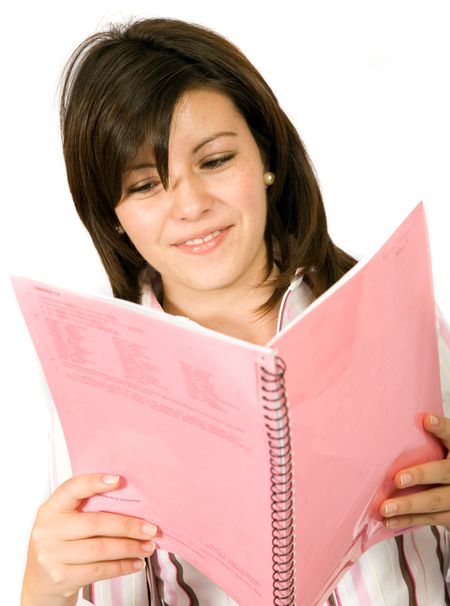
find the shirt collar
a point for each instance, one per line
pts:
(296, 298)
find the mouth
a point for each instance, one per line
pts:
(204, 242)
(202, 238)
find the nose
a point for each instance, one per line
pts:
(191, 200)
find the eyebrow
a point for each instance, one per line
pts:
(226, 133)
(194, 151)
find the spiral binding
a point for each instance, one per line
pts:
(278, 433)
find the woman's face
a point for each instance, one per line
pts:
(206, 231)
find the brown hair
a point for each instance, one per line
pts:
(119, 92)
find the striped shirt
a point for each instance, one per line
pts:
(408, 570)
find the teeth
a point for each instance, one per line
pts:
(199, 241)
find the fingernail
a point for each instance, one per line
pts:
(110, 479)
(150, 530)
(139, 564)
(433, 420)
(148, 547)
(405, 479)
(390, 508)
(391, 522)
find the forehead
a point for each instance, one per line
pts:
(199, 116)
(202, 111)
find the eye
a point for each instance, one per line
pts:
(143, 188)
(217, 162)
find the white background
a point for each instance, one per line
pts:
(366, 84)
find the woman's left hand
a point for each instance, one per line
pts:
(430, 506)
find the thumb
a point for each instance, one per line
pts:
(438, 426)
(71, 494)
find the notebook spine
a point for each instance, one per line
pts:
(276, 417)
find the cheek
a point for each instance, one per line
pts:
(254, 204)
(141, 223)
(144, 229)
(249, 192)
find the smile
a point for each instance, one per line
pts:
(204, 244)
(207, 238)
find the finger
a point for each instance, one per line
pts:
(70, 495)
(79, 575)
(100, 524)
(112, 569)
(433, 472)
(423, 519)
(426, 501)
(438, 426)
(102, 549)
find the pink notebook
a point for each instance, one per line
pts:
(262, 466)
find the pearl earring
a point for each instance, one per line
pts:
(269, 178)
(119, 229)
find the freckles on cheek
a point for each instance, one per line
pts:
(243, 186)
(248, 195)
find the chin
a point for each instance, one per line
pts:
(209, 281)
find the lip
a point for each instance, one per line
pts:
(204, 247)
(201, 234)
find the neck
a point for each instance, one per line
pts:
(230, 311)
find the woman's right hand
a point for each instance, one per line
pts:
(69, 549)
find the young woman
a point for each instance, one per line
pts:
(201, 200)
